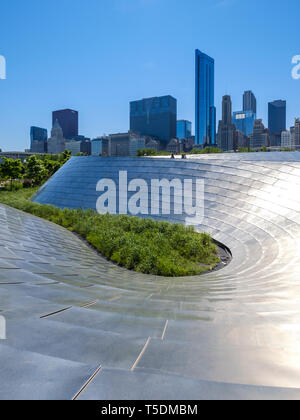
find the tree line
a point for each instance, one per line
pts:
(32, 172)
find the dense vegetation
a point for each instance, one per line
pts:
(143, 245)
(195, 151)
(32, 172)
(205, 151)
(151, 152)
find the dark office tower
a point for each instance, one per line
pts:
(205, 118)
(226, 130)
(249, 101)
(68, 120)
(277, 121)
(154, 117)
(227, 110)
(38, 140)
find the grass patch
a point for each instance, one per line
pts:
(143, 245)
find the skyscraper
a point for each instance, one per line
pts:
(205, 118)
(277, 121)
(97, 146)
(249, 101)
(184, 129)
(68, 120)
(154, 117)
(286, 139)
(297, 132)
(38, 140)
(293, 137)
(226, 110)
(226, 130)
(56, 143)
(244, 121)
(260, 136)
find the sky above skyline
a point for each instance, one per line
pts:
(96, 56)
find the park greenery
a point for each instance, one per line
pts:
(208, 150)
(143, 245)
(205, 151)
(15, 174)
(151, 152)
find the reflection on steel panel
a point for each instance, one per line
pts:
(230, 334)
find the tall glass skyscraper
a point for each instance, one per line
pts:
(244, 121)
(184, 129)
(205, 119)
(277, 117)
(154, 117)
(249, 101)
(277, 121)
(38, 139)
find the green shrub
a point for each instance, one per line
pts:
(27, 184)
(143, 245)
(206, 150)
(13, 186)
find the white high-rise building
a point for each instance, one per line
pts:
(56, 143)
(286, 139)
(97, 146)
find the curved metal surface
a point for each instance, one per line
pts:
(233, 333)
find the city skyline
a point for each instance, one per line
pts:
(142, 111)
(41, 77)
(157, 118)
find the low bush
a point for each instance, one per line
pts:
(143, 245)
(206, 150)
(27, 184)
(12, 186)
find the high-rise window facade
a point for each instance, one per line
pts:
(97, 147)
(297, 132)
(260, 136)
(56, 143)
(184, 129)
(38, 140)
(249, 102)
(277, 121)
(277, 117)
(205, 119)
(286, 139)
(226, 110)
(226, 130)
(68, 120)
(244, 121)
(154, 117)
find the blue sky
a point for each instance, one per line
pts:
(97, 55)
